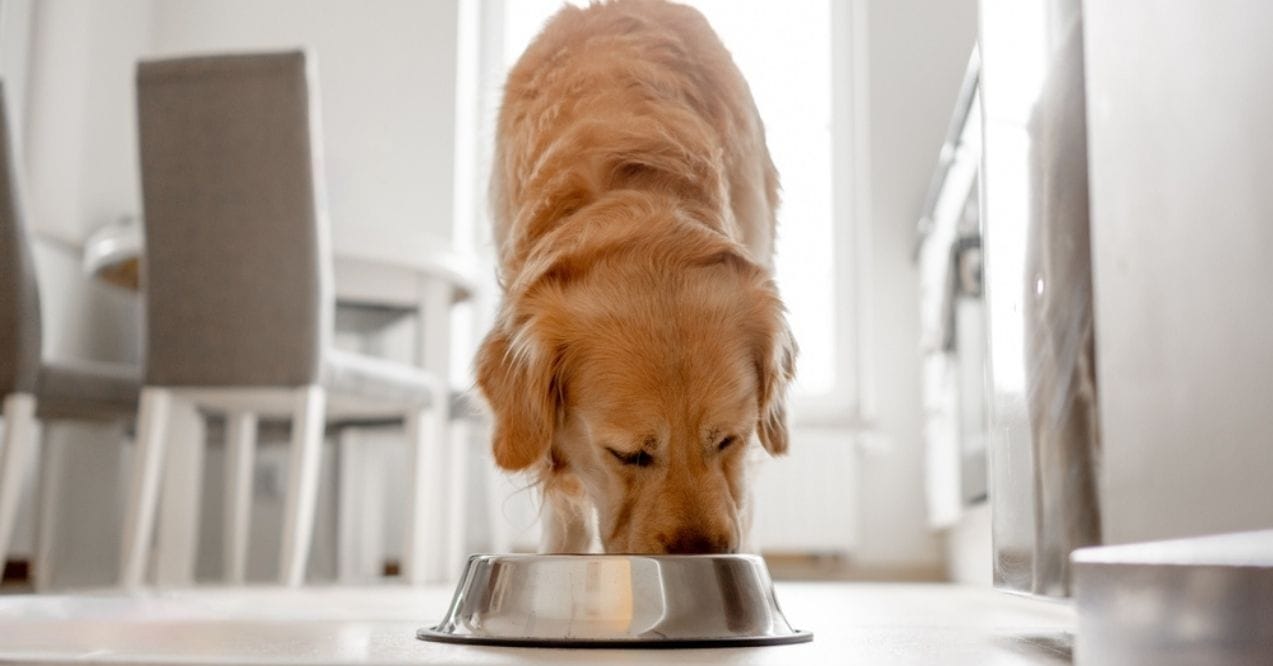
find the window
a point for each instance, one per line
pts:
(784, 51)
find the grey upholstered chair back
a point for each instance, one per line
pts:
(237, 269)
(19, 299)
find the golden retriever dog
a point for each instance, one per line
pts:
(641, 347)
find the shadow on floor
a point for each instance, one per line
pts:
(1057, 648)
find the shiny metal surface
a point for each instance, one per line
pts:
(615, 600)
(1044, 441)
(1203, 600)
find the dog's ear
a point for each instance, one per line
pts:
(774, 347)
(518, 376)
(776, 365)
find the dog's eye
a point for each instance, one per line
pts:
(637, 459)
(726, 443)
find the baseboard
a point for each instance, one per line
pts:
(839, 567)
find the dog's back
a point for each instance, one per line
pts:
(630, 94)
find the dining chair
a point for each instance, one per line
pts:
(237, 283)
(33, 388)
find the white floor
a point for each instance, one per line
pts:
(853, 624)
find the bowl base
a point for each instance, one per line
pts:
(430, 634)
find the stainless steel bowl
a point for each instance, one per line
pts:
(656, 601)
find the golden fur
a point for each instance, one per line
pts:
(641, 342)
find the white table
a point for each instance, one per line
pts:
(853, 624)
(390, 276)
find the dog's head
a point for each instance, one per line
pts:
(645, 364)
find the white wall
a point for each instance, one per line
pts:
(387, 81)
(918, 50)
(79, 137)
(15, 30)
(385, 70)
(80, 133)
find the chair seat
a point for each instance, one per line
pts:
(87, 389)
(361, 386)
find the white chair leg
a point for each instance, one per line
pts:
(181, 487)
(421, 515)
(143, 490)
(240, 454)
(52, 471)
(302, 483)
(457, 489)
(19, 438)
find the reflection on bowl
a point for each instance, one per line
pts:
(615, 601)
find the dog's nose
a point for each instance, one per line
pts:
(698, 543)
